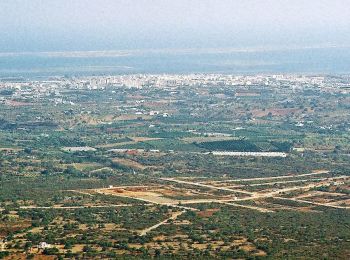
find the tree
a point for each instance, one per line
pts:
(51, 251)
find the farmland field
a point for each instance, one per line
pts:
(175, 167)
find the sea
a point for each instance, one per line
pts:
(310, 60)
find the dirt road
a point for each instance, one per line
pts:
(175, 204)
(247, 207)
(315, 203)
(173, 217)
(275, 177)
(77, 207)
(207, 186)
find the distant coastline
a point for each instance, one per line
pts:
(306, 60)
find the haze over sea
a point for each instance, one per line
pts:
(308, 60)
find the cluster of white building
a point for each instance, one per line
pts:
(53, 87)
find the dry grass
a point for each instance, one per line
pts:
(144, 139)
(132, 117)
(129, 163)
(203, 139)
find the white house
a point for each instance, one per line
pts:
(43, 245)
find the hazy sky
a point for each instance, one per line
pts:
(53, 25)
